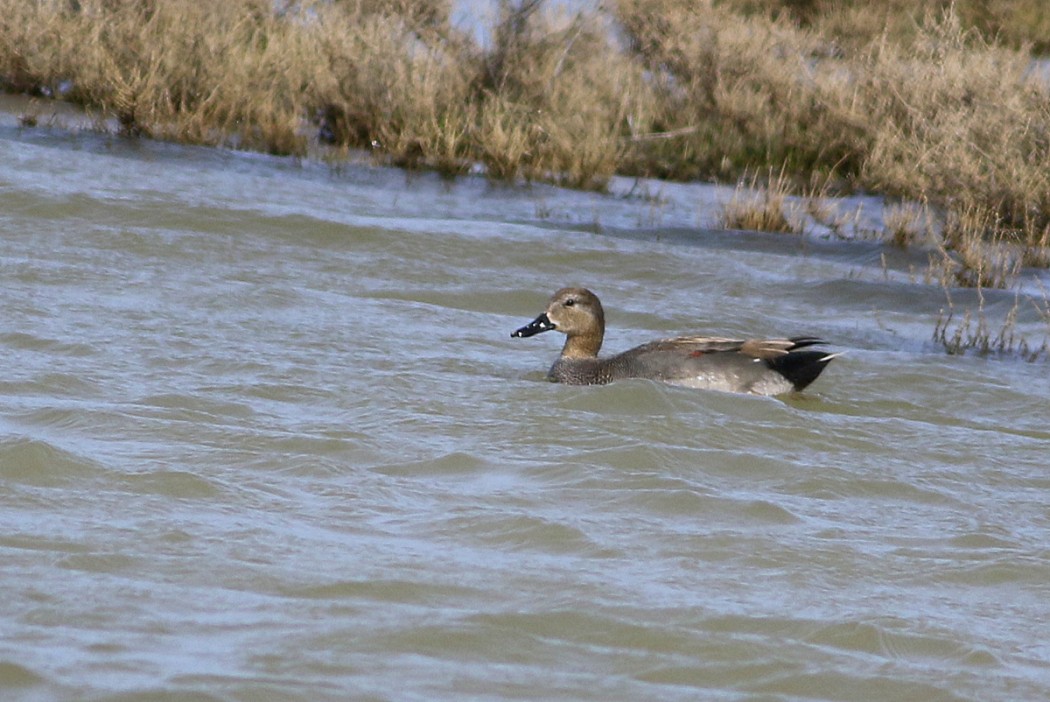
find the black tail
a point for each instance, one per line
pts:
(802, 367)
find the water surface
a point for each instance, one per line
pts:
(264, 435)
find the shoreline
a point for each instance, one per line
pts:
(678, 212)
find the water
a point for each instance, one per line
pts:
(264, 435)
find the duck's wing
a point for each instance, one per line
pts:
(766, 349)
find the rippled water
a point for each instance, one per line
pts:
(264, 435)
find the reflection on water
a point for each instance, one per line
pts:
(264, 435)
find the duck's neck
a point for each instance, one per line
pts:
(582, 346)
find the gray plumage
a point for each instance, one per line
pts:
(759, 366)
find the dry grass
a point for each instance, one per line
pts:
(167, 70)
(557, 98)
(739, 94)
(550, 100)
(960, 122)
(973, 331)
(854, 23)
(761, 206)
(939, 115)
(385, 84)
(983, 255)
(908, 224)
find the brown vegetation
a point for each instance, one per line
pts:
(550, 99)
(1016, 23)
(974, 331)
(761, 206)
(938, 115)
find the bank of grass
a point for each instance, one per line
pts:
(854, 23)
(938, 114)
(889, 97)
(946, 116)
(549, 99)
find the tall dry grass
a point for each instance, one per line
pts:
(740, 93)
(556, 91)
(957, 118)
(963, 123)
(944, 117)
(383, 81)
(855, 23)
(550, 99)
(171, 70)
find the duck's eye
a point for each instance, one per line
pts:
(570, 302)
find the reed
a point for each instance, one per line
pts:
(962, 123)
(739, 94)
(941, 115)
(761, 206)
(854, 23)
(557, 98)
(385, 84)
(973, 331)
(908, 224)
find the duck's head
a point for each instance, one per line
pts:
(575, 312)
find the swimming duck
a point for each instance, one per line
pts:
(757, 366)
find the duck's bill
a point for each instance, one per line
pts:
(540, 324)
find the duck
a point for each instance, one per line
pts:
(753, 366)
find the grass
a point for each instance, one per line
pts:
(908, 224)
(761, 206)
(929, 109)
(973, 331)
(550, 99)
(853, 23)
